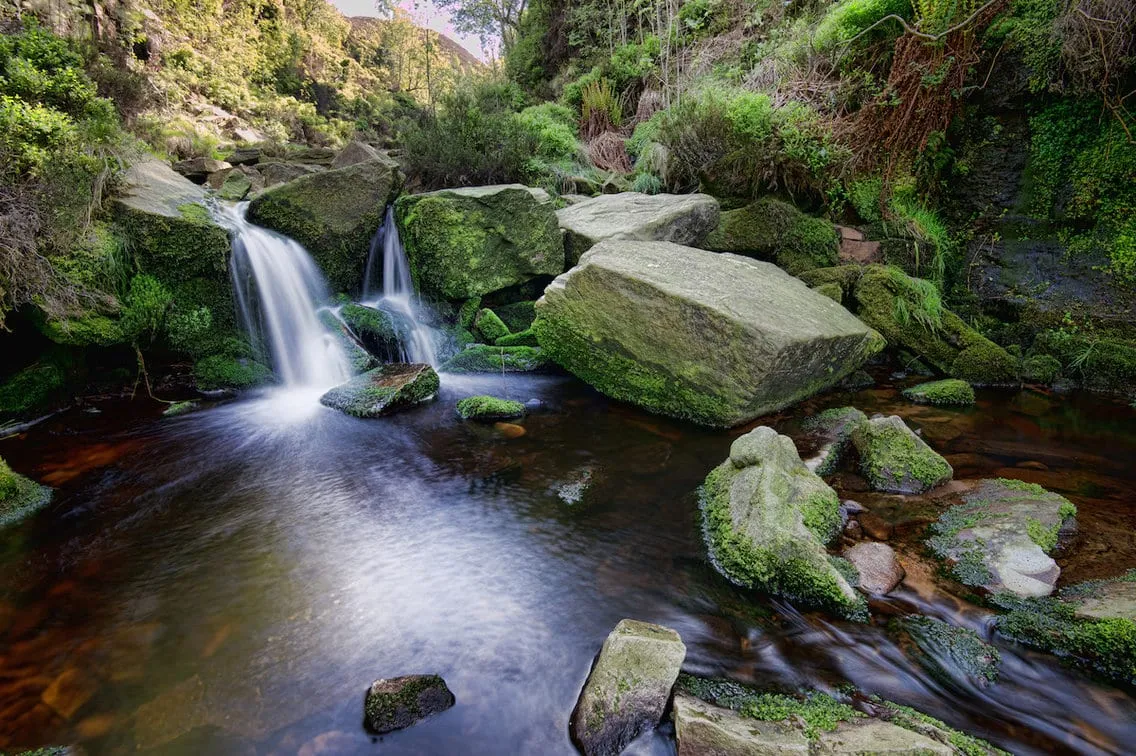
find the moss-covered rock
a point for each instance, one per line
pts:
(224, 371)
(357, 356)
(19, 496)
(895, 460)
(518, 316)
(181, 408)
(333, 214)
(950, 653)
(947, 392)
(679, 331)
(482, 358)
(910, 315)
(775, 231)
(526, 337)
(1000, 537)
(463, 243)
(489, 408)
(628, 689)
(403, 701)
(32, 387)
(679, 218)
(832, 430)
(380, 332)
(767, 519)
(1100, 363)
(490, 327)
(384, 390)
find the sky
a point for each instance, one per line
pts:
(424, 14)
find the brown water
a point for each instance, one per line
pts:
(231, 581)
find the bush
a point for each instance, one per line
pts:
(554, 128)
(849, 18)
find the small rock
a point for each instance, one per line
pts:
(181, 408)
(628, 689)
(510, 430)
(880, 572)
(573, 490)
(402, 701)
(70, 691)
(950, 392)
(951, 653)
(1032, 465)
(895, 460)
(853, 530)
(875, 526)
(1115, 599)
(489, 408)
(384, 390)
(198, 169)
(851, 507)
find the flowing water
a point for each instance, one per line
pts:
(230, 581)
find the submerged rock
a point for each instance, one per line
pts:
(19, 496)
(679, 218)
(489, 408)
(1000, 538)
(895, 460)
(463, 243)
(951, 653)
(948, 392)
(880, 572)
(403, 701)
(333, 214)
(482, 358)
(384, 390)
(181, 408)
(712, 338)
(777, 232)
(767, 520)
(629, 686)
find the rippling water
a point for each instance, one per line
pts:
(230, 581)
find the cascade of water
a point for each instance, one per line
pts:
(278, 289)
(398, 292)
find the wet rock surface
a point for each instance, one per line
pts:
(399, 702)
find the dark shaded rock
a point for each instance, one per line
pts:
(832, 430)
(199, 169)
(403, 701)
(384, 390)
(19, 496)
(244, 156)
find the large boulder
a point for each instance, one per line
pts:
(768, 519)
(384, 390)
(333, 214)
(356, 152)
(19, 496)
(679, 218)
(1000, 537)
(776, 231)
(703, 729)
(895, 460)
(395, 703)
(629, 686)
(711, 338)
(463, 243)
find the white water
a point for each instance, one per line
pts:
(398, 292)
(278, 289)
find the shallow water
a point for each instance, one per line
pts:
(230, 581)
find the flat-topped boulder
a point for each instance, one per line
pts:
(769, 229)
(679, 218)
(629, 686)
(333, 214)
(767, 520)
(1001, 536)
(463, 243)
(716, 339)
(384, 390)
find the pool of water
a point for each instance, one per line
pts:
(232, 580)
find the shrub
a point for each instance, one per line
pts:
(849, 18)
(600, 110)
(554, 128)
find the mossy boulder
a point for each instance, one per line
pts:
(948, 392)
(357, 355)
(489, 408)
(948, 652)
(463, 243)
(526, 337)
(1001, 536)
(772, 230)
(384, 390)
(711, 338)
(767, 521)
(333, 214)
(177, 409)
(832, 432)
(490, 327)
(481, 358)
(680, 218)
(381, 333)
(19, 496)
(518, 316)
(910, 315)
(1103, 364)
(628, 689)
(225, 371)
(32, 387)
(895, 460)
(396, 703)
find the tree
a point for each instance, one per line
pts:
(488, 19)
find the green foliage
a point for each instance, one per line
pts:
(647, 183)
(32, 387)
(186, 329)
(573, 94)
(845, 20)
(1028, 29)
(633, 62)
(924, 224)
(555, 130)
(702, 17)
(145, 308)
(599, 102)
(226, 372)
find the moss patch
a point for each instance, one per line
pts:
(949, 392)
(224, 372)
(489, 408)
(19, 496)
(523, 338)
(947, 651)
(495, 359)
(32, 387)
(776, 231)
(490, 327)
(894, 459)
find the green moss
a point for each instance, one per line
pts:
(518, 316)
(89, 330)
(523, 338)
(969, 566)
(467, 313)
(821, 514)
(773, 230)
(893, 458)
(949, 392)
(384, 711)
(1041, 368)
(181, 408)
(1103, 364)
(32, 387)
(917, 721)
(224, 372)
(384, 390)
(489, 408)
(378, 331)
(495, 359)
(944, 649)
(19, 496)
(831, 290)
(176, 249)
(490, 327)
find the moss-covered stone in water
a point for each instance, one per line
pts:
(181, 408)
(895, 460)
(948, 651)
(949, 392)
(400, 702)
(489, 408)
(495, 359)
(490, 327)
(19, 496)
(384, 390)
(377, 330)
(523, 338)
(833, 427)
(776, 231)
(224, 372)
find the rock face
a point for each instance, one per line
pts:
(384, 390)
(19, 496)
(199, 169)
(1000, 537)
(680, 218)
(333, 214)
(712, 338)
(776, 231)
(463, 243)
(403, 701)
(767, 520)
(702, 729)
(628, 689)
(356, 152)
(895, 460)
(880, 572)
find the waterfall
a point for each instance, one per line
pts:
(397, 295)
(278, 289)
